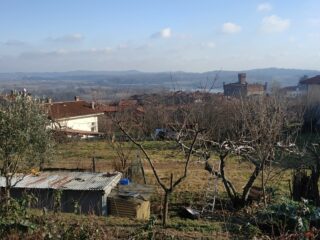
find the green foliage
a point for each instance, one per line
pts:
(14, 216)
(81, 231)
(57, 200)
(249, 230)
(76, 207)
(25, 140)
(288, 215)
(16, 221)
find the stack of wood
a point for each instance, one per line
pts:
(131, 207)
(131, 201)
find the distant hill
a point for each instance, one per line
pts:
(171, 80)
(118, 84)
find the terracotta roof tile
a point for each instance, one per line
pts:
(59, 110)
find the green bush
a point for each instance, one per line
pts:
(289, 216)
(14, 216)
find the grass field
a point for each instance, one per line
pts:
(169, 159)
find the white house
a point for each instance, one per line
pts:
(74, 117)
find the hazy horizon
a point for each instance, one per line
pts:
(177, 71)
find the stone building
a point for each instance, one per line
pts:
(242, 88)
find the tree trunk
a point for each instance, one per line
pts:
(227, 184)
(263, 185)
(250, 182)
(7, 188)
(143, 173)
(165, 208)
(314, 186)
(232, 194)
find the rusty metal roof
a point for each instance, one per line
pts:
(66, 181)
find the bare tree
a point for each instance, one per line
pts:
(255, 129)
(168, 190)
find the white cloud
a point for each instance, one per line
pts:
(69, 38)
(274, 24)
(264, 7)
(231, 28)
(208, 45)
(164, 33)
(123, 46)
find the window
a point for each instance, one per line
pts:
(93, 126)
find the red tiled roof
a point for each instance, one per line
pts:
(313, 80)
(128, 103)
(107, 108)
(59, 110)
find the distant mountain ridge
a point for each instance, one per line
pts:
(171, 80)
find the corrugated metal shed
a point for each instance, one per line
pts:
(66, 181)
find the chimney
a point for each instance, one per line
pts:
(49, 100)
(242, 78)
(92, 105)
(76, 98)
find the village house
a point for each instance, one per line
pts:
(311, 88)
(243, 89)
(75, 117)
(290, 91)
(85, 192)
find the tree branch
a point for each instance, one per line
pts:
(146, 155)
(187, 161)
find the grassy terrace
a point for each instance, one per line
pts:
(168, 159)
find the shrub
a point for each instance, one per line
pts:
(289, 216)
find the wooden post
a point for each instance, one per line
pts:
(143, 174)
(93, 164)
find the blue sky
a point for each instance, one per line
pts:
(158, 35)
